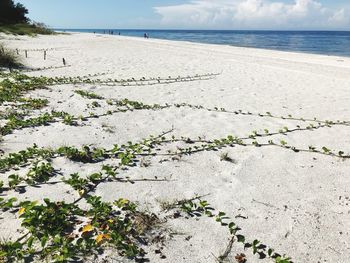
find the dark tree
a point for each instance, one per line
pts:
(11, 13)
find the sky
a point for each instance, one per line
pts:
(192, 14)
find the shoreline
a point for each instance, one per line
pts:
(263, 52)
(226, 44)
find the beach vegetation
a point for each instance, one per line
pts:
(197, 207)
(14, 20)
(71, 231)
(29, 29)
(89, 95)
(8, 58)
(225, 157)
(12, 13)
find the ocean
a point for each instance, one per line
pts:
(317, 42)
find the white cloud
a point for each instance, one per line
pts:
(339, 18)
(253, 14)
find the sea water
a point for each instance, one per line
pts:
(317, 42)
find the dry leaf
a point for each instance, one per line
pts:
(87, 228)
(102, 237)
(21, 210)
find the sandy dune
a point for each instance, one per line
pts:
(295, 202)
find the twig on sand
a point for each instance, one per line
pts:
(178, 203)
(215, 257)
(265, 204)
(227, 252)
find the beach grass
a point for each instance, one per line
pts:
(8, 58)
(26, 29)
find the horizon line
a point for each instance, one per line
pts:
(181, 29)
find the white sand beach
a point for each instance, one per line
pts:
(295, 201)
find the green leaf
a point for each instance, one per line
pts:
(256, 242)
(43, 241)
(30, 241)
(240, 238)
(231, 225)
(221, 214)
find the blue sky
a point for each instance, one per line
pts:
(192, 14)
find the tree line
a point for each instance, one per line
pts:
(12, 13)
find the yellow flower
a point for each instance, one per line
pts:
(101, 237)
(87, 228)
(124, 201)
(110, 221)
(81, 192)
(21, 210)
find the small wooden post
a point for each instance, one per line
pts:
(64, 62)
(44, 54)
(17, 51)
(26, 52)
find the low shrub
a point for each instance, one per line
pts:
(8, 58)
(26, 29)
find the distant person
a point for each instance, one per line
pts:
(145, 35)
(119, 33)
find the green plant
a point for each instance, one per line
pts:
(225, 157)
(98, 224)
(198, 207)
(68, 119)
(8, 58)
(26, 29)
(52, 229)
(40, 172)
(78, 183)
(14, 180)
(89, 95)
(84, 155)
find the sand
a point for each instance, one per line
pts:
(297, 203)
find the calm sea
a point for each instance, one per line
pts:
(318, 42)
